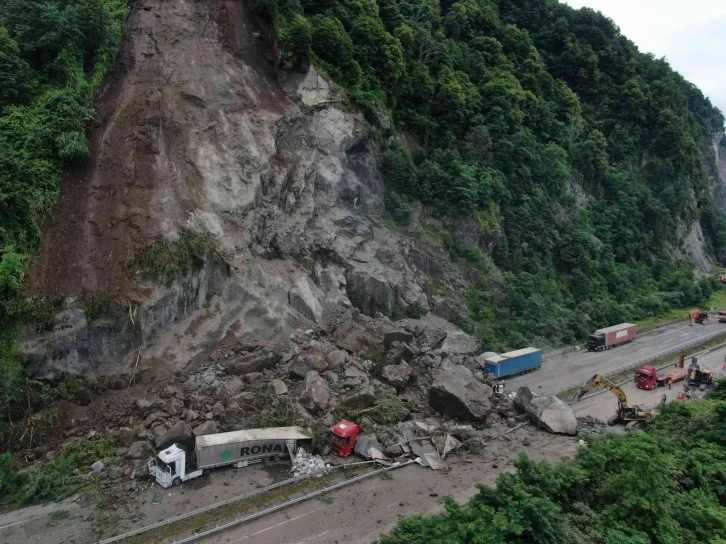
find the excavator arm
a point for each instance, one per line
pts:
(597, 380)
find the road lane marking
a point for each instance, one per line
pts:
(21, 522)
(312, 537)
(275, 526)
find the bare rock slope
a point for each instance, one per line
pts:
(199, 131)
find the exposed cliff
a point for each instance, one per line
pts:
(197, 132)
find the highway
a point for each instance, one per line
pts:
(603, 406)
(575, 368)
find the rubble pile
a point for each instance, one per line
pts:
(307, 464)
(590, 426)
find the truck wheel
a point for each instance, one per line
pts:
(175, 482)
(614, 420)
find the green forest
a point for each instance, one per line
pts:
(54, 55)
(509, 102)
(664, 485)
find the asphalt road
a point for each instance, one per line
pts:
(603, 406)
(576, 367)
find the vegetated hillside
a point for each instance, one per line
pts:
(53, 56)
(584, 162)
(663, 485)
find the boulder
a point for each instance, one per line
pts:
(397, 336)
(336, 359)
(252, 377)
(399, 353)
(171, 391)
(253, 362)
(316, 394)
(522, 399)
(173, 406)
(458, 394)
(139, 450)
(126, 436)
(431, 337)
(305, 362)
(368, 293)
(279, 387)
(232, 387)
(218, 409)
(397, 375)
(360, 398)
(553, 415)
(180, 433)
(457, 343)
(145, 407)
(208, 427)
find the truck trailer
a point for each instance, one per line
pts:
(512, 362)
(649, 378)
(610, 337)
(239, 448)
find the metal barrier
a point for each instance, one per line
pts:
(275, 508)
(214, 506)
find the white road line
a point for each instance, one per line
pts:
(275, 526)
(21, 522)
(312, 537)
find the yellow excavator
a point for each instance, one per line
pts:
(697, 316)
(625, 412)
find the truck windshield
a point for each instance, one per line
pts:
(166, 467)
(340, 440)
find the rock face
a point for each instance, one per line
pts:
(457, 394)
(273, 166)
(316, 394)
(547, 412)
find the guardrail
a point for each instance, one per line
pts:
(637, 364)
(198, 511)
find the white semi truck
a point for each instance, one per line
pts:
(240, 448)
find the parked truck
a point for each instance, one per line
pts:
(649, 378)
(610, 337)
(240, 448)
(512, 362)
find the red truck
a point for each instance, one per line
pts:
(609, 337)
(648, 377)
(343, 438)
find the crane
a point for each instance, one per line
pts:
(625, 412)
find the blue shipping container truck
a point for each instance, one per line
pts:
(514, 362)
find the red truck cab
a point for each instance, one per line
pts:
(646, 377)
(343, 437)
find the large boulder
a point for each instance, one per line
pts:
(305, 362)
(253, 362)
(180, 433)
(431, 336)
(458, 394)
(316, 394)
(553, 415)
(397, 336)
(522, 399)
(458, 343)
(397, 375)
(336, 359)
(139, 450)
(208, 427)
(360, 398)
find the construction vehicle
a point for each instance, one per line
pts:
(610, 337)
(625, 413)
(697, 316)
(698, 377)
(722, 316)
(239, 448)
(649, 378)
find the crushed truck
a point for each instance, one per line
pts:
(611, 337)
(649, 378)
(239, 448)
(511, 363)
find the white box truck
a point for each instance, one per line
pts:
(240, 448)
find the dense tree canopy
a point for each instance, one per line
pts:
(517, 105)
(53, 56)
(667, 485)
